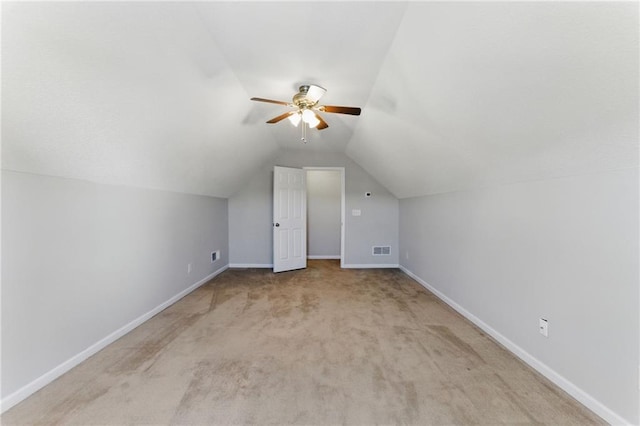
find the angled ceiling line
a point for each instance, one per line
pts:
(380, 67)
(198, 12)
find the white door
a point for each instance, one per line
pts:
(289, 219)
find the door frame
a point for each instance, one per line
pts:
(342, 205)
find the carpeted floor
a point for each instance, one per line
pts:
(315, 346)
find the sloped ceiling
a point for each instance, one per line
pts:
(454, 95)
(478, 94)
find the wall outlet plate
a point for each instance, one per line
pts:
(543, 325)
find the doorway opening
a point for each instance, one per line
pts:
(325, 212)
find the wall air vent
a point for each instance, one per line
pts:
(381, 250)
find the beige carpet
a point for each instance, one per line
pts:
(316, 346)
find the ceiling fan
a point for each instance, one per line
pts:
(306, 109)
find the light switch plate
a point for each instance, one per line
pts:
(356, 212)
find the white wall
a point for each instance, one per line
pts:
(81, 260)
(324, 215)
(251, 212)
(564, 249)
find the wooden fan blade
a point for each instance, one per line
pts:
(281, 117)
(271, 101)
(341, 109)
(323, 124)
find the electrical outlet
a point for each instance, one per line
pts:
(215, 255)
(406, 255)
(188, 268)
(544, 327)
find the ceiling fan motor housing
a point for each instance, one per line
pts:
(301, 100)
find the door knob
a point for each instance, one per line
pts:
(277, 225)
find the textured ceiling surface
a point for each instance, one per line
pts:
(454, 95)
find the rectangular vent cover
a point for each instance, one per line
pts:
(381, 250)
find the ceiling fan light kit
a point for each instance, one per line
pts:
(295, 119)
(306, 109)
(309, 117)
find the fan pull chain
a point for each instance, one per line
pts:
(304, 132)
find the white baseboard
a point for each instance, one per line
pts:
(370, 265)
(346, 266)
(37, 384)
(251, 265)
(322, 256)
(573, 390)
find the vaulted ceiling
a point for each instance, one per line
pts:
(454, 95)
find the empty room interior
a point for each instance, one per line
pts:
(320, 212)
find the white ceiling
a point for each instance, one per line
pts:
(454, 95)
